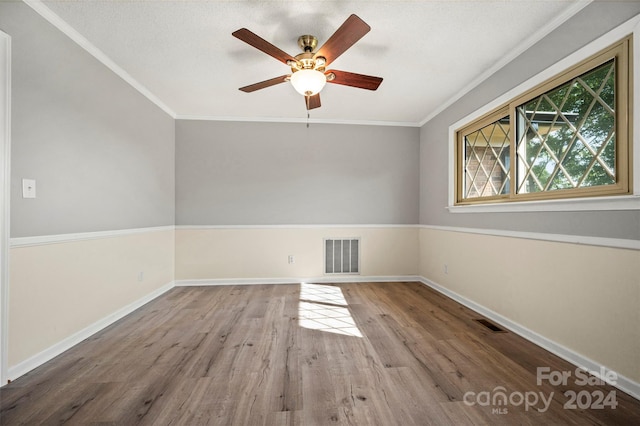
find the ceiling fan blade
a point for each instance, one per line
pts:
(352, 30)
(263, 45)
(312, 101)
(361, 81)
(264, 84)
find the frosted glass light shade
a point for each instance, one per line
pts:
(308, 82)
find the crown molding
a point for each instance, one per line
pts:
(292, 226)
(521, 48)
(64, 27)
(74, 35)
(299, 120)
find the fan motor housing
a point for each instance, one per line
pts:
(307, 62)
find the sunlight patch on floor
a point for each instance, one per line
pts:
(324, 308)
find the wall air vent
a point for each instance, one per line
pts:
(342, 256)
(491, 326)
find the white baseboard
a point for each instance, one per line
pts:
(38, 359)
(291, 280)
(623, 383)
(55, 350)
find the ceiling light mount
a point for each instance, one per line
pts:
(308, 43)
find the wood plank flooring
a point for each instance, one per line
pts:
(344, 354)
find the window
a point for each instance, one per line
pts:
(567, 137)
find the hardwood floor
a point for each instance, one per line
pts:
(347, 354)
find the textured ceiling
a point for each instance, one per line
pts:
(428, 52)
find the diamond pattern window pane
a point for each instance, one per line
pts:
(566, 137)
(486, 160)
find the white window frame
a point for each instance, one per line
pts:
(620, 202)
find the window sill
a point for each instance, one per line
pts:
(627, 202)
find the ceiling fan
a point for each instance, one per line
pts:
(308, 69)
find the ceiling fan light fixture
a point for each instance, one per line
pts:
(308, 74)
(308, 82)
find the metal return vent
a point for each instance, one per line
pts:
(342, 256)
(491, 326)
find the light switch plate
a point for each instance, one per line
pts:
(28, 188)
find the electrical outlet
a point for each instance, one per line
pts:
(291, 259)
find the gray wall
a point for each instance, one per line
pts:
(230, 173)
(593, 21)
(101, 153)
